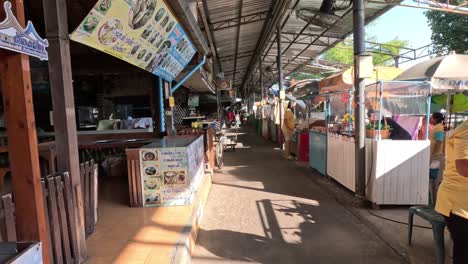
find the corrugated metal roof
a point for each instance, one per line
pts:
(301, 41)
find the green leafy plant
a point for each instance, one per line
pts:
(375, 126)
(449, 31)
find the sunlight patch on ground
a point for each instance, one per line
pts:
(285, 219)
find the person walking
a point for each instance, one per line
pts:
(288, 129)
(452, 199)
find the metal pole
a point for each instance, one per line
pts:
(253, 94)
(280, 77)
(162, 122)
(428, 111)
(260, 70)
(359, 86)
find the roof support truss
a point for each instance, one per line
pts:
(235, 22)
(240, 55)
(241, 4)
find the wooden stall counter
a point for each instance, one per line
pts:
(397, 177)
(340, 160)
(165, 172)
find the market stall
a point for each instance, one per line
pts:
(397, 166)
(317, 123)
(340, 139)
(339, 147)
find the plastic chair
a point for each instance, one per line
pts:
(437, 222)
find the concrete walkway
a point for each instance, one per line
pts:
(264, 209)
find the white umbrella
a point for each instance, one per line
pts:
(445, 73)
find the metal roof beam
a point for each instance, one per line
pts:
(318, 43)
(234, 22)
(285, 21)
(209, 32)
(241, 4)
(320, 36)
(182, 11)
(278, 10)
(240, 55)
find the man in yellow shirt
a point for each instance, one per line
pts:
(288, 128)
(452, 199)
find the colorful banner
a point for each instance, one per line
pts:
(144, 33)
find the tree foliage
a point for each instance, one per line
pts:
(344, 53)
(449, 32)
(340, 53)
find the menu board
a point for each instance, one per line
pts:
(144, 33)
(196, 159)
(171, 176)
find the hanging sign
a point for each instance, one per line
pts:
(144, 33)
(345, 97)
(224, 85)
(26, 41)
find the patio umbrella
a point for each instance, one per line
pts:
(445, 73)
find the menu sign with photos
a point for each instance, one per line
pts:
(144, 33)
(151, 176)
(171, 175)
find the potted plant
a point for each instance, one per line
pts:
(372, 130)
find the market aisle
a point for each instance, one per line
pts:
(265, 209)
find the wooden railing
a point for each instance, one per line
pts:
(89, 190)
(60, 203)
(7, 219)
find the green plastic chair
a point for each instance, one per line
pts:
(437, 222)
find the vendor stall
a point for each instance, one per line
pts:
(166, 172)
(340, 146)
(340, 139)
(397, 164)
(317, 123)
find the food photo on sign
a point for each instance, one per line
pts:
(144, 33)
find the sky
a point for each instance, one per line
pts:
(404, 23)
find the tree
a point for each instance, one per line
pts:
(340, 53)
(449, 32)
(344, 53)
(391, 49)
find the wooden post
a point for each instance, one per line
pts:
(23, 153)
(60, 76)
